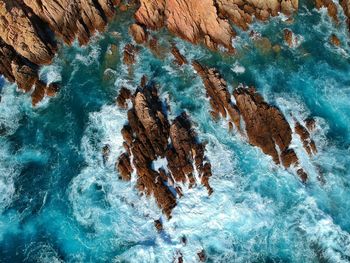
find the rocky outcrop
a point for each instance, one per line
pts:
(149, 137)
(179, 58)
(305, 137)
(217, 92)
(331, 8)
(27, 35)
(207, 21)
(138, 33)
(334, 40)
(265, 125)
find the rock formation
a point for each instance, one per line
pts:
(27, 35)
(149, 137)
(265, 125)
(207, 21)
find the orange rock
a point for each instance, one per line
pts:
(334, 40)
(138, 33)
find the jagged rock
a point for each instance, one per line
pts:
(334, 40)
(106, 150)
(27, 35)
(345, 4)
(310, 124)
(179, 58)
(21, 29)
(202, 256)
(129, 54)
(331, 8)
(206, 21)
(39, 92)
(138, 33)
(158, 224)
(124, 95)
(147, 137)
(290, 38)
(219, 97)
(187, 152)
(70, 19)
(52, 89)
(265, 125)
(124, 167)
(304, 135)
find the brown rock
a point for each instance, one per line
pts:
(158, 224)
(331, 8)
(206, 21)
(27, 30)
(304, 135)
(124, 95)
(129, 54)
(179, 58)
(334, 40)
(147, 137)
(52, 89)
(310, 124)
(290, 38)
(219, 97)
(39, 92)
(202, 256)
(138, 33)
(124, 167)
(265, 125)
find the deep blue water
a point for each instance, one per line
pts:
(60, 203)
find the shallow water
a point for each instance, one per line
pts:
(60, 202)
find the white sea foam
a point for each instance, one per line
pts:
(238, 68)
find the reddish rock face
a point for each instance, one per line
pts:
(265, 125)
(148, 137)
(27, 30)
(206, 21)
(138, 33)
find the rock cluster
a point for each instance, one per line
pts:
(207, 21)
(265, 125)
(148, 137)
(27, 35)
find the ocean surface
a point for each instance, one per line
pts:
(59, 202)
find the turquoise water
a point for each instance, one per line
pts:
(60, 203)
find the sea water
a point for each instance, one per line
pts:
(60, 202)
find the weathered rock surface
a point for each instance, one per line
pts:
(27, 35)
(305, 137)
(138, 33)
(207, 21)
(335, 40)
(179, 58)
(148, 137)
(217, 92)
(265, 125)
(331, 8)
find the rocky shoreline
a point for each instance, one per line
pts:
(30, 30)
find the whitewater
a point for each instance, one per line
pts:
(60, 202)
